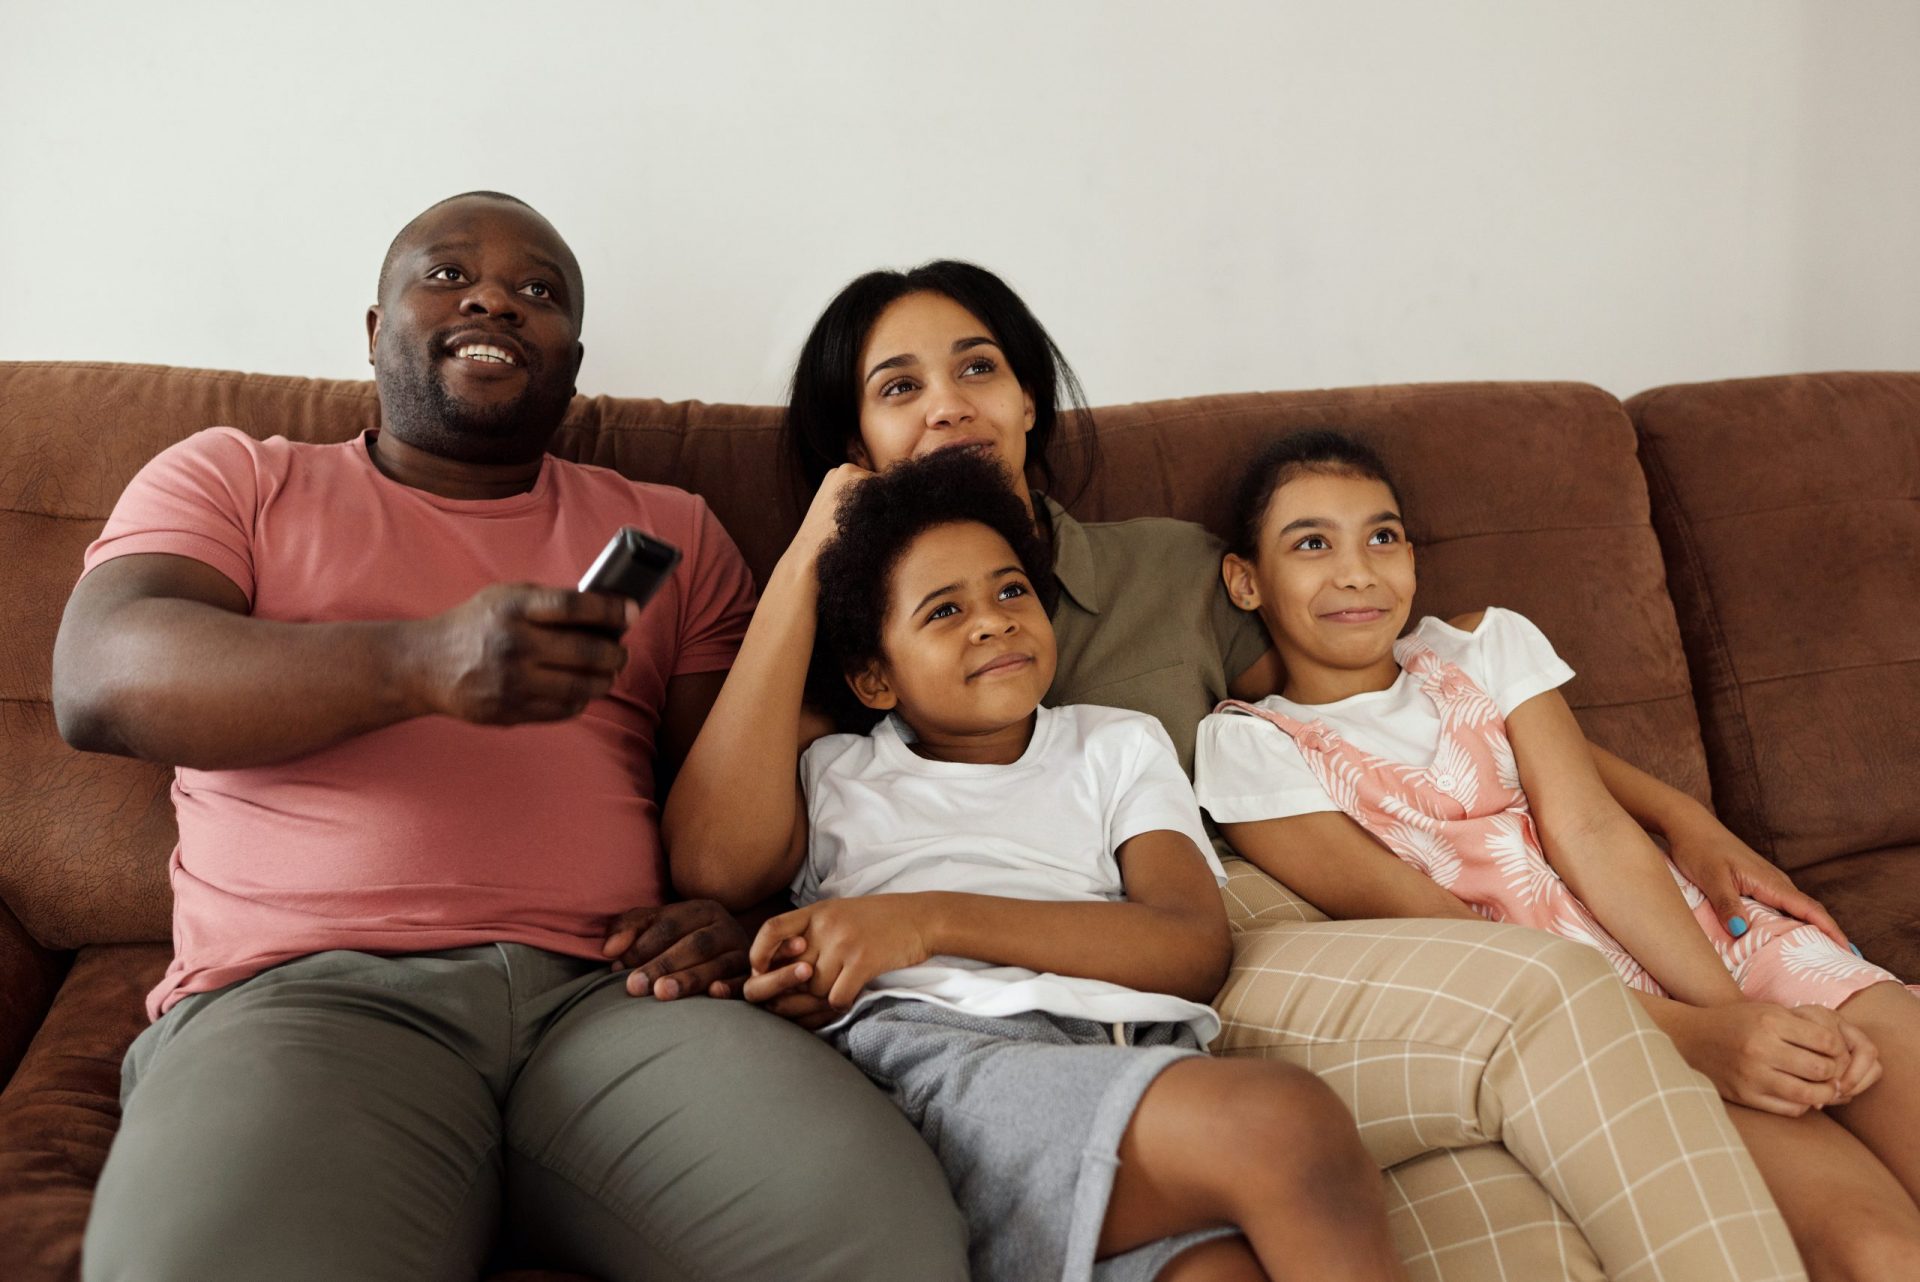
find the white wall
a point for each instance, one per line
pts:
(1196, 197)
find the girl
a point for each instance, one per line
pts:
(1012, 911)
(1452, 749)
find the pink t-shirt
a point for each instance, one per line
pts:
(431, 833)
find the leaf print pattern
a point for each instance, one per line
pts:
(1808, 954)
(1523, 868)
(1426, 850)
(1493, 862)
(1453, 772)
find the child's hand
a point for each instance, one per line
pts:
(1726, 868)
(1768, 1057)
(1863, 1069)
(849, 942)
(785, 989)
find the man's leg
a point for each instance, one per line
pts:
(700, 1140)
(1446, 1035)
(322, 1120)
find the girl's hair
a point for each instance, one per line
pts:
(878, 521)
(823, 404)
(1317, 450)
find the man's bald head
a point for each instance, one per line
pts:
(405, 238)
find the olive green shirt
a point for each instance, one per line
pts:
(1144, 621)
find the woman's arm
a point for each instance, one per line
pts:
(1607, 859)
(1340, 868)
(733, 827)
(1712, 857)
(1168, 936)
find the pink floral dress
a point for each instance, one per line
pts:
(1464, 822)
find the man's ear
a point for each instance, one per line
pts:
(1243, 586)
(373, 330)
(1026, 400)
(870, 687)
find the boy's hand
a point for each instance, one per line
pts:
(1726, 868)
(848, 942)
(1769, 1057)
(679, 950)
(785, 990)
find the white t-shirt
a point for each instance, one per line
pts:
(884, 820)
(1247, 769)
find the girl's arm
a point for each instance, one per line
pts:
(1722, 865)
(1607, 859)
(1768, 1057)
(732, 821)
(1168, 936)
(1340, 868)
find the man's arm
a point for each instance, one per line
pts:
(157, 658)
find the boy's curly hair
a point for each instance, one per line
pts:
(878, 521)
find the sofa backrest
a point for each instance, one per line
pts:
(1787, 509)
(1526, 495)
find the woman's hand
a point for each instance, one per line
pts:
(848, 943)
(821, 522)
(1771, 1058)
(1726, 868)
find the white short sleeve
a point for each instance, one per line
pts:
(1154, 794)
(819, 758)
(1247, 769)
(1507, 656)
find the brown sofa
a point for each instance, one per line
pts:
(1732, 568)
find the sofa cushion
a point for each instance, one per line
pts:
(1526, 495)
(1872, 896)
(59, 1114)
(1789, 511)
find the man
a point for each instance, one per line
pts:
(417, 809)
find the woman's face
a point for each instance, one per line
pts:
(932, 376)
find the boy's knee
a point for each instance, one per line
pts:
(1289, 1127)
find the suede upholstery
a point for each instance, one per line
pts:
(1525, 495)
(1787, 509)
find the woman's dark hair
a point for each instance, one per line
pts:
(823, 404)
(1317, 450)
(878, 521)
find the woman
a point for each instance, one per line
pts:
(902, 364)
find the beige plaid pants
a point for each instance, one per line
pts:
(1532, 1121)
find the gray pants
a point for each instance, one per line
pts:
(352, 1116)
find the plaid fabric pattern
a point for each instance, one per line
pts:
(1479, 1059)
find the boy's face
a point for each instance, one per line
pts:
(1334, 581)
(966, 647)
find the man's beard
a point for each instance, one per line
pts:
(417, 406)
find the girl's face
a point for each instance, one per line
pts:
(1333, 580)
(933, 377)
(967, 648)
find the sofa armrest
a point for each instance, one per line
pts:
(29, 977)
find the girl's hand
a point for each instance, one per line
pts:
(1863, 1068)
(1767, 1057)
(848, 942)
(1726, 868)
(821, 522)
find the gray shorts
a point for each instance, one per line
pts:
(1026, 1114)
